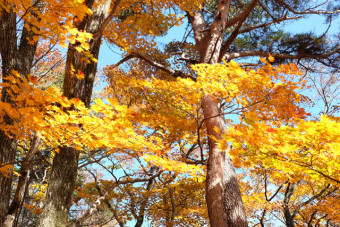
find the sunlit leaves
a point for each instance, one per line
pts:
(62, 122)
(309, 147)
(175, 166)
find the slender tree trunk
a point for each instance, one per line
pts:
(168, 222)
(24, 177)
(17, 58)
(65, 163)
(140, 217)
(289, 218)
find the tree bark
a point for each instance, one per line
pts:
(17, 58)
(65, 163)
(60, 188)
(223, 196)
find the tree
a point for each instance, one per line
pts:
(19, 59)
(32, 17)
(78, 83)
(163, 114)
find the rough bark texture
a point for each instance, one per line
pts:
(17, 58)
(64, 170)
(60, 188)
(223, 195)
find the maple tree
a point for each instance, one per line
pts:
(163, 119)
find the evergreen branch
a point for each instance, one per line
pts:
(281, 2)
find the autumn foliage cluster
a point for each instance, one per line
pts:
(181, 134)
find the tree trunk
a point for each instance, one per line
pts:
(65, 163)
(223, 195)
(60, 188)
(289, 218)
(19, 59)
(23, 181)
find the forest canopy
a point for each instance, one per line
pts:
(233, 122)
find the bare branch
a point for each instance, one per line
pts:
(266, 9)
(126, 58)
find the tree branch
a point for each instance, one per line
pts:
(269, 23)
(106, 21)
(306, 12)
(310, 200)
(242, 15)
(172, 72)
(230, 56)
(240, 19)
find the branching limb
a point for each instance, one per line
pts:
(170, 71)
(243, 15)
(269, 23)
(310, 200)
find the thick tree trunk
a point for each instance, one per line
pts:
(19, 59)
(7, 149)
(7, 144)
(223, 195)
(288, 217)
(65, 163)
(60, 188)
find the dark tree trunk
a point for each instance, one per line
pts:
(289, 218)
(140, 217)
(65, 163)
(19, 59)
